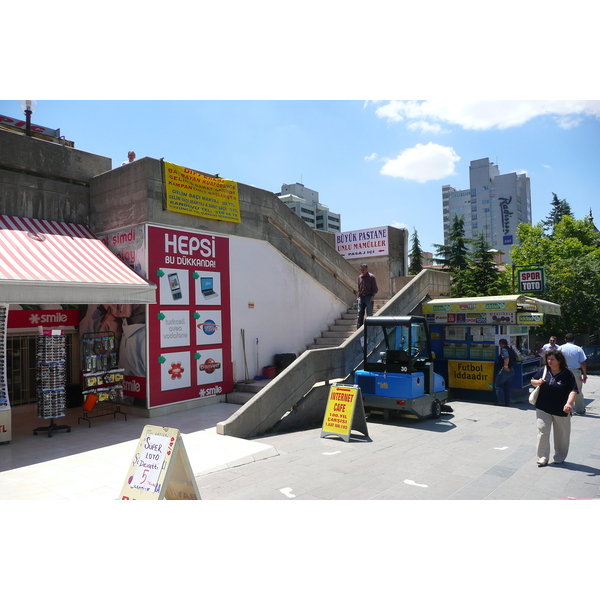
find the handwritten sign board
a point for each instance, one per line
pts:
(160, 469)
(344, 412)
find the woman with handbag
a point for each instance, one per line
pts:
(554, 405)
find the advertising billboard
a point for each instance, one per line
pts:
(189, 328)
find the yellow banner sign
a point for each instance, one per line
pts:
(470, 375)
(192, 193)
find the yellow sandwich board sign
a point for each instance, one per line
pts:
(344, 412)
(160, 469)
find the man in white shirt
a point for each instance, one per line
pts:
(576, 358)
(551, 345)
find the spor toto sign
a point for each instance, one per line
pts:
(531, 280)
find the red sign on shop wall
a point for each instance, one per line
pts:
(54, 319)
(189, 330)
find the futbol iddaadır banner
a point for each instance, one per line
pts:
(192, 193)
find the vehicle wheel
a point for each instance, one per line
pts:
(436, 409)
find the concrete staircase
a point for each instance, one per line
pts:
(243, 391)
(342, 329)
(335, 335)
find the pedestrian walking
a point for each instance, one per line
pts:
(554, 407)
(575, 357)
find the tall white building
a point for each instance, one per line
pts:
(494, 204)
(305, 203)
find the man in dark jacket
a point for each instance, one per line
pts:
(504, 372)
(367, 288)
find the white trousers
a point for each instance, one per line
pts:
(579, 403)
(562, 434)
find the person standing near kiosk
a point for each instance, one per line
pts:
(504, 372)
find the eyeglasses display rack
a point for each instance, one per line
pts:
(5, 412)
(102, 379)
(51, 379)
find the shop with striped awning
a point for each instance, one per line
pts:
(44, 262)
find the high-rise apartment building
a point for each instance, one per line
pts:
(305, 203)
(494, 204)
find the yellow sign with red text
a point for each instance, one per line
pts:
(344, 412)
(193, 193)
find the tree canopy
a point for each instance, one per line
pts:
(560, 208)
(482, 276)
(571, 257)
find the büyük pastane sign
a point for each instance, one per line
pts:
(193, 193)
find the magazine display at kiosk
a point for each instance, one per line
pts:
(50, 380)
(102, 380)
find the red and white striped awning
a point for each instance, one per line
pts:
(51, 262)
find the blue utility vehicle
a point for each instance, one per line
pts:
(397, 377)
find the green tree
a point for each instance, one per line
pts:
(482, 277)
(560, 208)
(453, 256)
(571, 258)
(416, 255)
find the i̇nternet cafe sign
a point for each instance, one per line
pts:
(363, 242)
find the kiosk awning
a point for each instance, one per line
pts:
(43, 262)
(491, 303)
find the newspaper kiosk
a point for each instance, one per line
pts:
(465, 334)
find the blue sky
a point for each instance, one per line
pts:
(273, 93)
(375, 162)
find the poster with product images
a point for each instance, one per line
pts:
(175, 371)
(174, 328)
(208, 327)
(189, 329)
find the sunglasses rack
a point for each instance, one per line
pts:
(50, 379)
(102, 379)
(4, 403)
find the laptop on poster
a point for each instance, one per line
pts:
(206, 286)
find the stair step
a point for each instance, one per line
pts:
(350, 327)
(239, 397)
(346, 322)
(320, 346)
(330, 341)
(336, 334)
(348, 316)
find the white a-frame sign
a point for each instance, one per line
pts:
(160, 469)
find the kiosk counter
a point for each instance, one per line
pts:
(465, 334)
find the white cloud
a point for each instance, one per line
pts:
(372, 157)
(489, 114)
(422, 163)
(426, 127)
(399, 225)
(547, 166)
(567, 121)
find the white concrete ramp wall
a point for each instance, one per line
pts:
(286, 392)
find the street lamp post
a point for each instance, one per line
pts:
(28, 107)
